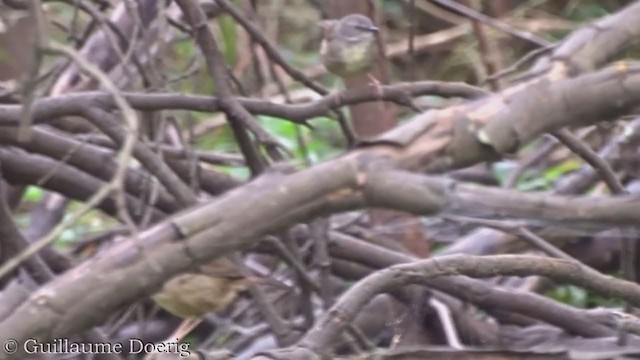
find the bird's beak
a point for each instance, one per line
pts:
(371, 28)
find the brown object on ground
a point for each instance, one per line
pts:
(191, 295)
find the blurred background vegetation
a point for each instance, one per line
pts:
(445, 48)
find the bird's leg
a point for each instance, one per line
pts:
(184, 329)
(376, 84)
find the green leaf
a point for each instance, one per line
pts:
(561, 169)
(288, 133)
(533, 183)
(570, 294)
(228, 28)
(33, 193)
(184, 49)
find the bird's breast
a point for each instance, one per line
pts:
(346, 58)
(193, 295)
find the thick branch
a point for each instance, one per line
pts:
(328, 329)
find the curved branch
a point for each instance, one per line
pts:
(23, 168)
(45, 109)
(86, 157)
(482, 294)
(320, 338)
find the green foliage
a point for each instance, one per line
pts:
(554, 173)
(183, 50)
(586, 10)
(218, 140)
(579, 297)
(91, 222)
(229, 30)
(597, 300)
(4, 56)
(33, 194)
(306, 144)
(390, 7)
(533, 180)
(570, 294)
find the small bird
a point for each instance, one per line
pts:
(192, 295)
(349, 46)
